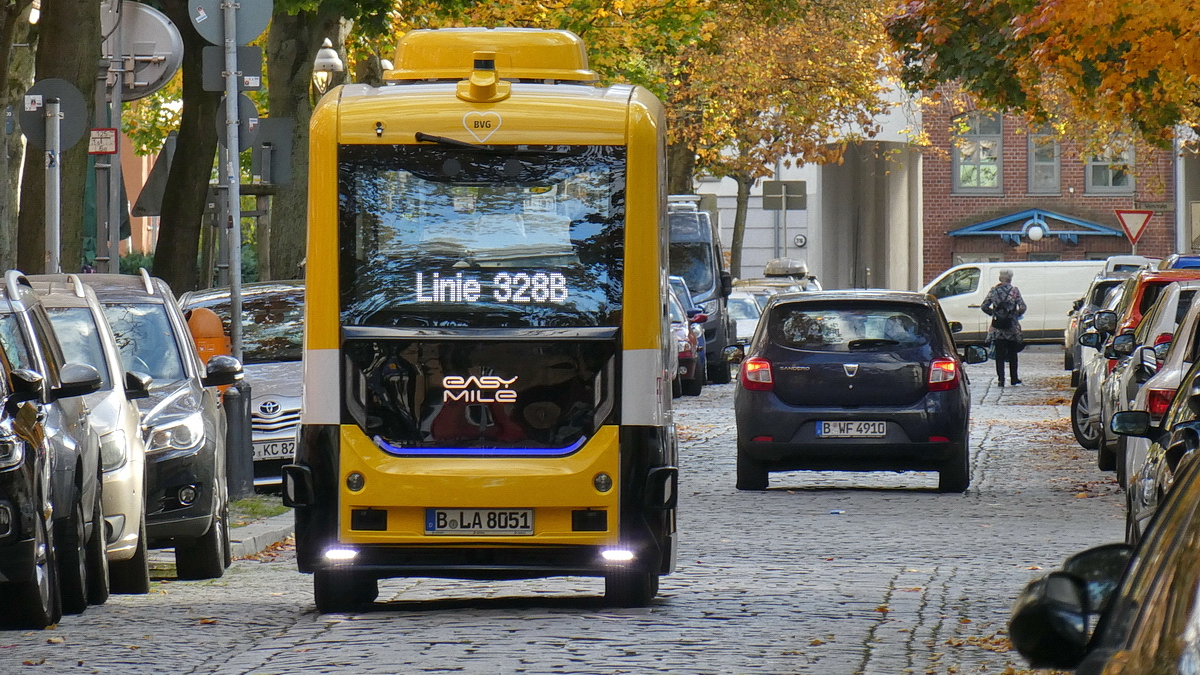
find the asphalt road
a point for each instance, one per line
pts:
(825, 573)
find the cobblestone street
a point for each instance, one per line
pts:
(831, 573)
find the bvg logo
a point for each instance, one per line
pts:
(486, 389)
(482, 125)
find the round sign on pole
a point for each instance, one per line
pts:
(247, 123)
(252, 19)
(153, 42)
(70, 104)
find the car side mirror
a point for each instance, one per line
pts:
(955, 326)
(222, 370)
(975, 354)
(698, 318)
(137, 385)
(1049, 624)
(1078, 303)
(1090, 339)
(1131, 423)
(1123, 344)
(1105, 321)
(1147, 363)
(726, 284)
(1100, 568)
(27, 385)
(76, 379)
(734, 354)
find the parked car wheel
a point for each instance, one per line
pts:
(676, 387)
(71, 545)
(204, 558)
(630, 588)
(722, 375)
(97, 553)
(1074, 378)
(1085, 434)
(1133, 533)
(35, 602)
(1119, 458)
(336, 592)
(694, 386)
(955, 474)
(751, 474)
(132, 576)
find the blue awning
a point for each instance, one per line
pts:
(1012, 227)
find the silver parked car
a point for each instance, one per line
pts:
(272, 332)
(83, 331)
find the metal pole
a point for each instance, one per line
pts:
(115, 203)
(783, 241)
(103, 166)
(233, 175)
(53, 185)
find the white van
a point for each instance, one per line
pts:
(1050, 289)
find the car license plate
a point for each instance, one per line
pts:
(275, 450)
(851, 429)
(479, 522)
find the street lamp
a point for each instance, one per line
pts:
(326, 63)
(1036, 233)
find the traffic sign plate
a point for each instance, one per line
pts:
(1134, 222)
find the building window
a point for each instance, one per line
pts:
(1111, 173)
(1043, 162)
(977, 153)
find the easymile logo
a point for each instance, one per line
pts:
(485, 389)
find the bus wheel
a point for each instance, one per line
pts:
(340, 591)
(630, 588)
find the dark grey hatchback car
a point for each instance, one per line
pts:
(854, 381)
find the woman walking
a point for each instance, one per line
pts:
(1006, 307)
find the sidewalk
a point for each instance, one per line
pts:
(257, 536)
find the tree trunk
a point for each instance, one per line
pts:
(75, 23)
(291, 47)
(17, 62)
(175, 257)
(744, 183)
(681, 169)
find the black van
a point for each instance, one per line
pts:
(696, 256)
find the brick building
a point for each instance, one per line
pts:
(989, 182)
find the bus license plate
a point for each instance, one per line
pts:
(851, 429)
(275, 450)
(479, 522)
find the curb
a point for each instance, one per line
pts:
(257, 536)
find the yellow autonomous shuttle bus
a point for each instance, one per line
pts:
(486, 352)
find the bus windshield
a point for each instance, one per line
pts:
(527, 236)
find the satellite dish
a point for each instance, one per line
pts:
(147, 40)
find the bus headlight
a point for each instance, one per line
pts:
(617, 555)
(183, 433)
(112, 449)
(603, 482)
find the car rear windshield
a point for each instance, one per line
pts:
(272, 324)
(841, 327)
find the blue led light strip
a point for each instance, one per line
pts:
(479, 452)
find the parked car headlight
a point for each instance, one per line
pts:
(710, 307)
(112, 449)
(12, 451)
(183, 433)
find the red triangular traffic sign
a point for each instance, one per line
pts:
(1133, 222)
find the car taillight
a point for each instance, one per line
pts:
(1163, 339)
(756, 374)
(943, 375)
(1112, 363)
(1157, 402)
